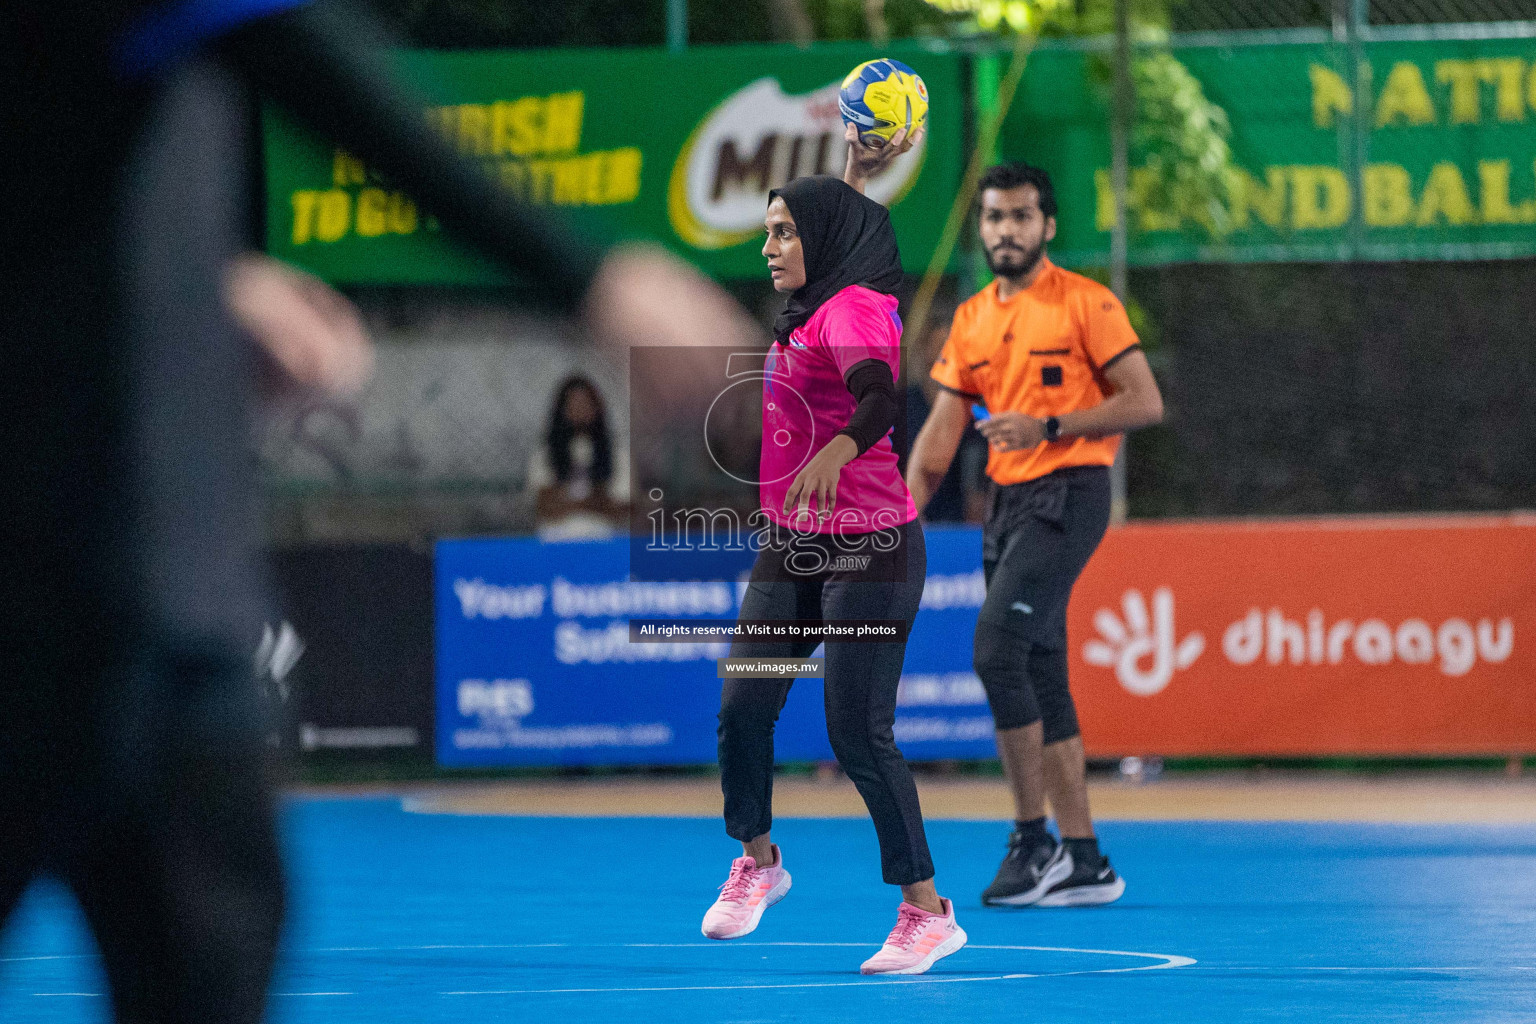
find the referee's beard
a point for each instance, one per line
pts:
(1014, 262)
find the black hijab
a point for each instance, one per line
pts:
(847, 239)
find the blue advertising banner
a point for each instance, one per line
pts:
(535, 665)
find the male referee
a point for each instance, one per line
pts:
(1054, 361)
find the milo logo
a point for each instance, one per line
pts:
(757, 139)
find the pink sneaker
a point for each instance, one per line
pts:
(917, 942)
(748, 892)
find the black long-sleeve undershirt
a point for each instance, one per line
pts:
(873, 385)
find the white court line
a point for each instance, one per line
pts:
(1169, 960)
(57, 956)
(727, 988)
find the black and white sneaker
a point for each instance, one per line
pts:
(1028, 872)
(1084, 886)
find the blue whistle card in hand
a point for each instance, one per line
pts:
(980, 411)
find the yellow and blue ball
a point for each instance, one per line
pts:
(880, 97)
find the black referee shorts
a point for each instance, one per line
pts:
(1037, 538)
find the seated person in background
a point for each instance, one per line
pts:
(580, 477)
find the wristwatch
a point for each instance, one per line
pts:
(1052, 428)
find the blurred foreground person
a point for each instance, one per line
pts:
(131, 763)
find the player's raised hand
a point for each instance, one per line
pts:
(866, 160)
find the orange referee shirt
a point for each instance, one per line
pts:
(1043, 352)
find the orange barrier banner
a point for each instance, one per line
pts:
(1411, 636)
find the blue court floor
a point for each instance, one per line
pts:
(441, 918)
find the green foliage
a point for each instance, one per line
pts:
(1049, 18)
(837, 19)
(917, 18)
(904, 19)
(1180, 137)
(1097, 17)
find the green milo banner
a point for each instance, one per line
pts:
(679, 148)
(1398, 150)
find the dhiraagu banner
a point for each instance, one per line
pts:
(1397, 150)
(678, 148)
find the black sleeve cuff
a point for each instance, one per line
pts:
(872, 383)
(963, 394)
(1120, 355)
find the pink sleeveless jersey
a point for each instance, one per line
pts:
(806, 402)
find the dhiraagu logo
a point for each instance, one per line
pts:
(758, 138)
(1142, 648)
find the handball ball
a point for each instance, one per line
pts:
(881, 97)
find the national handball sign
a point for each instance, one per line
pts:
(759, 138)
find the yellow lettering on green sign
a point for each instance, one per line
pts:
(1493, 183)
(333, 216)
(1404, 97)
(371, 219)
(621, 176)
(1387, 200)
(518, 126)
(303, 202)
(1507, 76)
(1445, 197)
(562, 122)
(1319, 198)
(1267, 200)
(1461, 76)
(1330, 96)
(347, 169)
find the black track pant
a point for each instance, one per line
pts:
(860, 686)
(1037, 539)
(146, 794)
